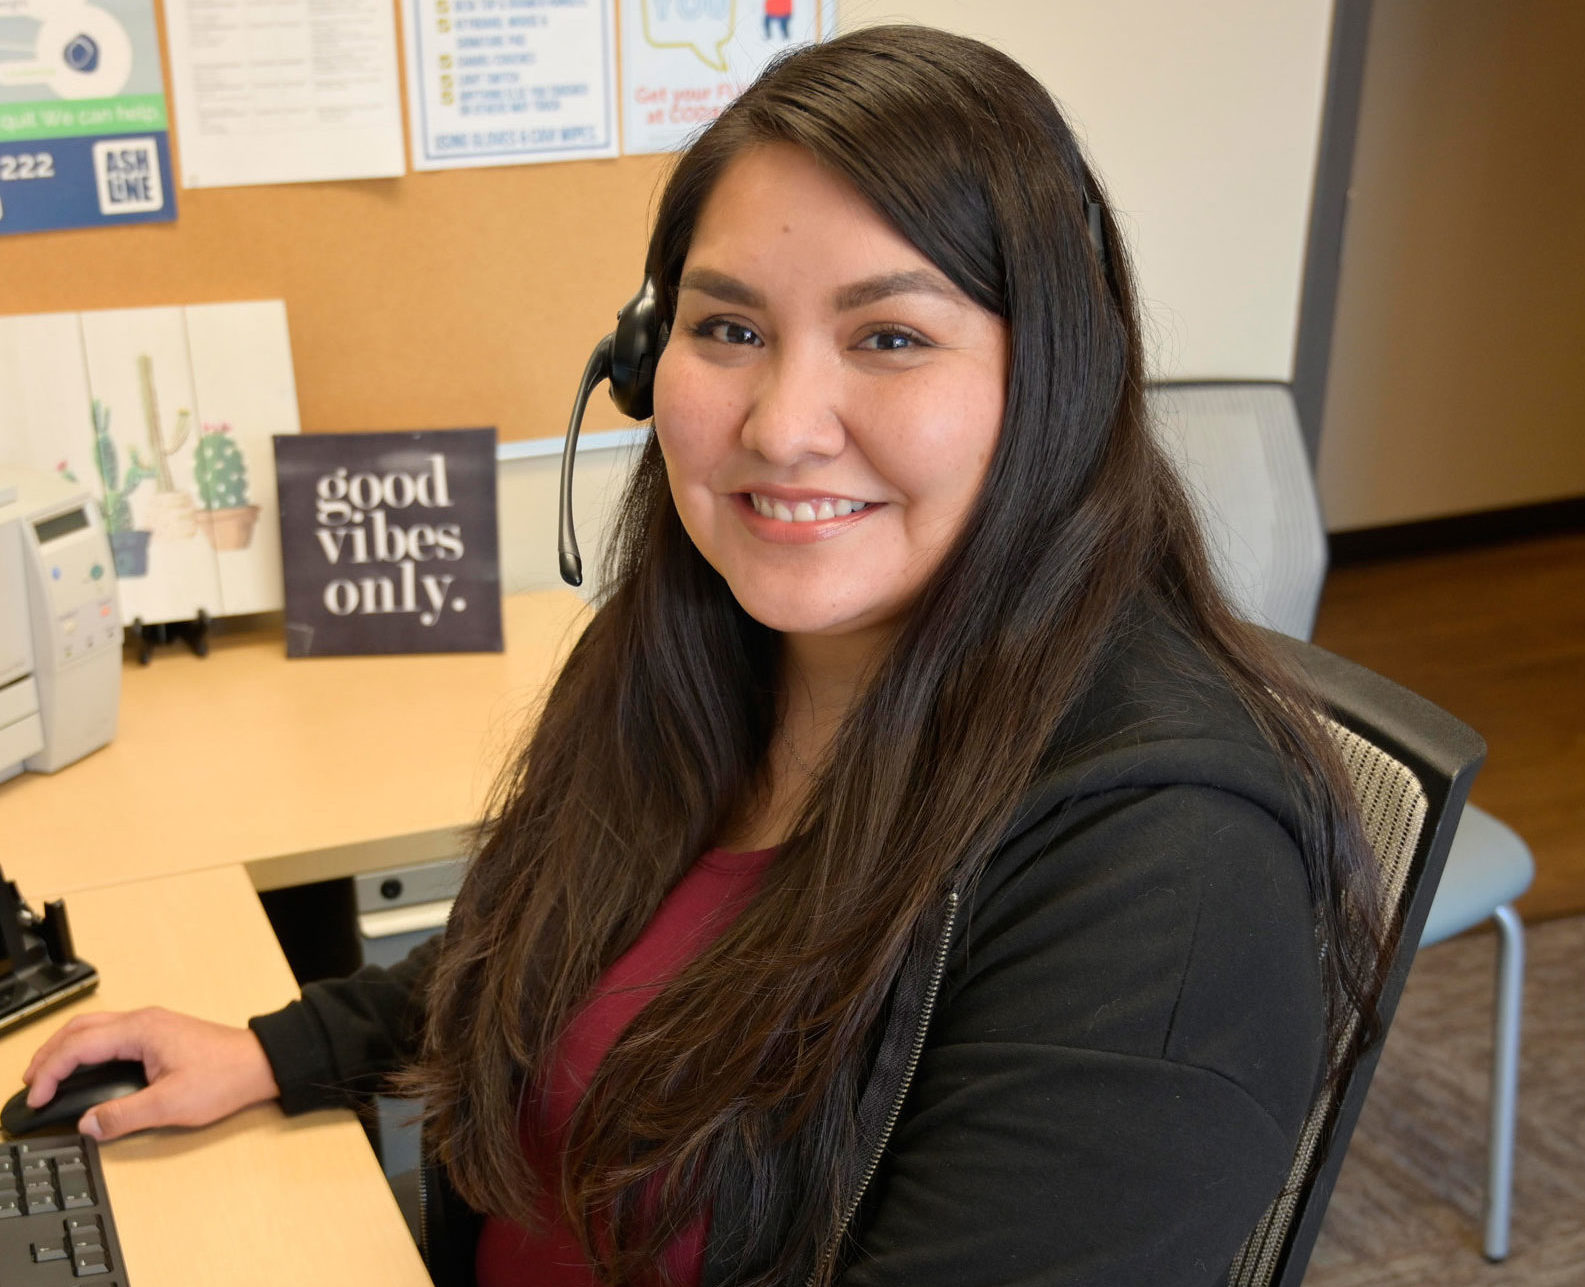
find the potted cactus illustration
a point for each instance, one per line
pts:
(128, 545)
(222, 477)
(171, 511)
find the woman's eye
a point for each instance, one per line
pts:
(725, 331)
(891, 341)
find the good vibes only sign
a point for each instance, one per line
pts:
(389, 542)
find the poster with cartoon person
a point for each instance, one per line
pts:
(779, 12)
(683, 61)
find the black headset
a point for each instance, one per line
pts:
(627, 357)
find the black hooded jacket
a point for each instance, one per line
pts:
(1097, 1058)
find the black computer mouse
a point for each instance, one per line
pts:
(78, 1092)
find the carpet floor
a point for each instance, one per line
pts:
(1406, 1211)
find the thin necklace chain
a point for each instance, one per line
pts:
(793, 751)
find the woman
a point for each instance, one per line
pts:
(916, 876)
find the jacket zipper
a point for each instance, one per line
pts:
(926, 1012)
(423, 1211)
(937, 969)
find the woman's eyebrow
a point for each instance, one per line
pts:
(912, 281)
(871, 290)
(729, 290)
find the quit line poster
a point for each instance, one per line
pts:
(84, 135)
(508, 82)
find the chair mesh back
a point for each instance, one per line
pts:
(1392, 806)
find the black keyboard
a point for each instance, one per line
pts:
(55, 1225)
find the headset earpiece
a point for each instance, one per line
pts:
(627, 359)
(639, 337)
(1095, 219)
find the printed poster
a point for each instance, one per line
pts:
(685, 60)
(509, 82)
(389, 542)
(84, 139)
(285, 91)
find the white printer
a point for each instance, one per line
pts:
(60, 626)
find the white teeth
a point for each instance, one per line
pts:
(803, 511)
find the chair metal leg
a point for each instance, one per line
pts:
(1504, 1079)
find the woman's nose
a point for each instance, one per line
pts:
(793, 413)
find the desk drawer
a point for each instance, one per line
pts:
(400, 907)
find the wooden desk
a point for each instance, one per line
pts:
(302, 770)
(254, 1201)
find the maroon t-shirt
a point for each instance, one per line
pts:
(705, 901)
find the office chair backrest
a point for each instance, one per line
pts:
(1240, 452)
(1411, 764)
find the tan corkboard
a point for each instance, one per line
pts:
(436, 300)
(463, 297)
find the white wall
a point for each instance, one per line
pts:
(1203, 117)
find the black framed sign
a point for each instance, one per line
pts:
(389, 542)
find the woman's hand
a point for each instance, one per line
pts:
(198, 1071)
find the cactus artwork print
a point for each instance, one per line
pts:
(222, 478)
(164, 418)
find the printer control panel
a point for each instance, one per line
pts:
(78, 586)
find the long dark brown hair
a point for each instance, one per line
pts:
(656, 733)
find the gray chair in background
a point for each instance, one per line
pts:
(1241, 452)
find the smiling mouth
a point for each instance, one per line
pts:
(804, 511)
